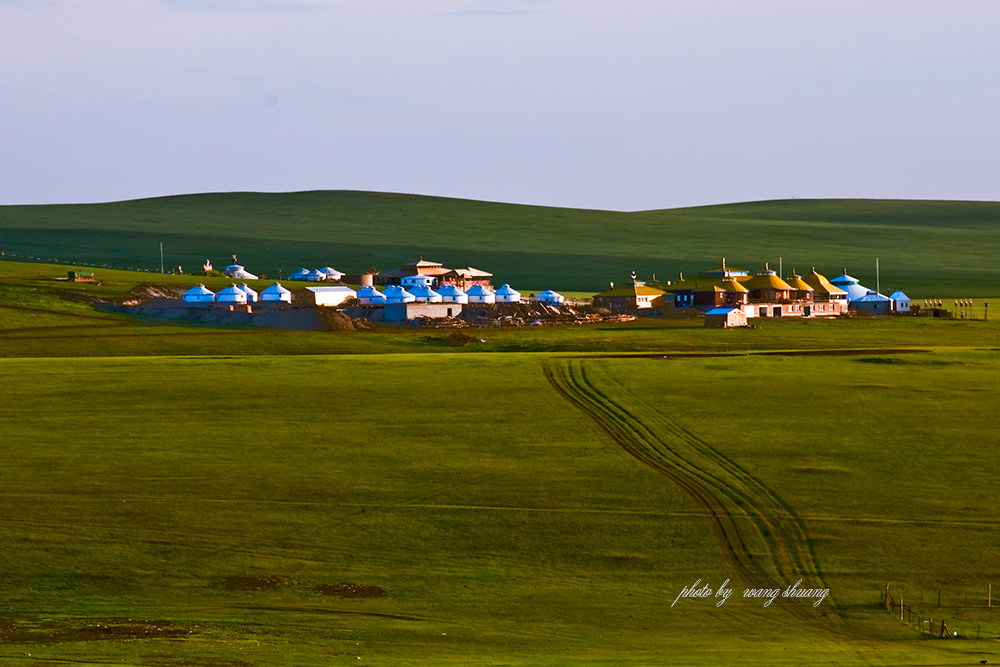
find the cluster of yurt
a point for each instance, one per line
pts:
(237, 294)
(316, 275)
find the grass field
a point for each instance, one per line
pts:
(188, 495)
(929, 249)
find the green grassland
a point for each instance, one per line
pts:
(929, 249)
(538, 497)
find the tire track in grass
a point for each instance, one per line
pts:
(760, 536)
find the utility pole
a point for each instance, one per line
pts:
(161, 257)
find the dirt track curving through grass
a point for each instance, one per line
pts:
(761, 537)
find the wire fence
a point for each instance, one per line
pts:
(915, 612)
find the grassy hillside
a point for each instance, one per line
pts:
(944, 249)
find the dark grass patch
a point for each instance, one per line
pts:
(257, 582)
(350, 590)
(65, 631)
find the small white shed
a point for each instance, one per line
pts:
(900, 302)
(725, 318)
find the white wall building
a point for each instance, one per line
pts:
(332, 296)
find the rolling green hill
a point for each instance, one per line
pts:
(928, 248)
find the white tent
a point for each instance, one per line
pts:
(237, 271)
(396, 294)
(315, 276)
(425, 294)
(231, 294)
(252, 296)
(369, 296)
(480, 294)
(551, 298)
(452, 294)
(330, 273)
(299, 274)
(507, 294)
(199, 294)
(276, 293)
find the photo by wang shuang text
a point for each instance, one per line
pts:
(769, 594)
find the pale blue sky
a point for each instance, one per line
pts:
(626, 105)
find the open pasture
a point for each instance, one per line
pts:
(502, 522)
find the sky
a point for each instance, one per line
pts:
(625, 105)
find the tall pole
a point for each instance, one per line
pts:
(161, 257)
(878, 283)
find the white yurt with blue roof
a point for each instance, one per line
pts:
(276, 293)
(424, 294)
(299, 274)
(480, 294)
(851, 285)
(410, 282)
(369, 296)
(199, 294)
(507, 294)
(252, 296)
(330, 273)
(550, 298)
(315, 276)
(237, 271)
(873, 303)
(396, 294)
(231, 294)
(452, 294)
